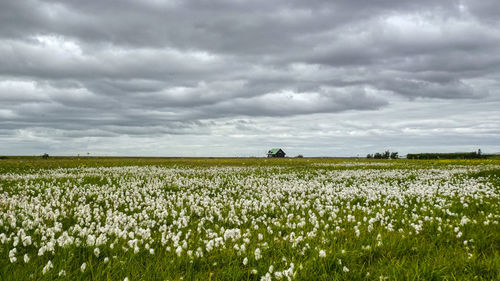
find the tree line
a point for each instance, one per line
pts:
(458, 155)
(385, 155)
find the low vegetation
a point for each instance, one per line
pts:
(249, 219)
(459, 155)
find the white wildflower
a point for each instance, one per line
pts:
(266, 277)
(178, 251)
(322, 254)
(47, 267)
(257, 254)
(12, 255)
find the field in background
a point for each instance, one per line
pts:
(249, 219)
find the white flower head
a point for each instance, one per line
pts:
(258, 254)
(47, 267)
(12, 255)
(322, 254)
(178, 251)
(83, 266)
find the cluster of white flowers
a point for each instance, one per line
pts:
(191, 212)
(355, 164)
(287, 273)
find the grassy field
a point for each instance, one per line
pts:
(96, 218)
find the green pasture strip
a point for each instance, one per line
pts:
(437, 251)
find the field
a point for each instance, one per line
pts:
(249, 219)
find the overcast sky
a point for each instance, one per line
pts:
(236, 78)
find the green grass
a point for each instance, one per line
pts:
(429, 254)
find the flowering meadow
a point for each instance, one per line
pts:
(249, 219)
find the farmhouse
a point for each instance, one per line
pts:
(275, 152)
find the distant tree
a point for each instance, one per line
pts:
(479, 151)
(300, 156)
(45, 156)
(394, 155)
(369, 156)
(377, 156)
(386, 154)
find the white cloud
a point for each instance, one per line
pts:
(236, 77)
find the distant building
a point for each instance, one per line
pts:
(275, 152)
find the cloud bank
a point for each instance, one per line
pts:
(231, 78)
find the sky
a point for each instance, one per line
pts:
(236, 78)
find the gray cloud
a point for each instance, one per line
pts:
(113, 69)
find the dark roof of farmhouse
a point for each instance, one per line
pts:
(274, 150)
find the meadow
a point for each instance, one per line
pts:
(249, 219)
